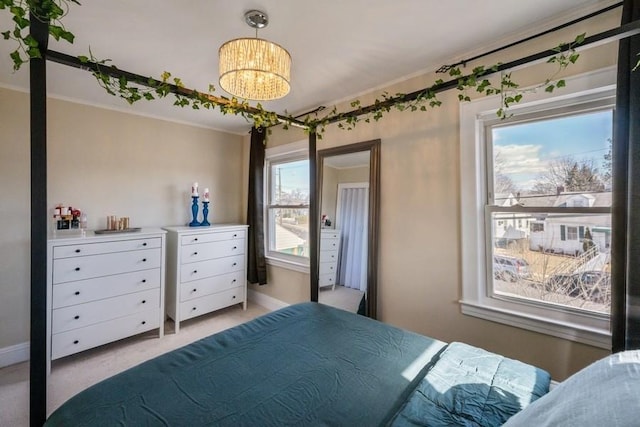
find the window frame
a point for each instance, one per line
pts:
(478, 299)
(273, 156)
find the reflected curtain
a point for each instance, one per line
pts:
(257, 267)
(625, 268)
(352, 220)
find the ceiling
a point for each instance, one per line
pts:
(339, 48)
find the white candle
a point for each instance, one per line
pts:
(194, 189)
(206, 195)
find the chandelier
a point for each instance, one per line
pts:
(253, 68)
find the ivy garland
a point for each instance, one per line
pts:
(51, 11)
(133, 90)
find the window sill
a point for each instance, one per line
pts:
(570, 331)
(289, 265)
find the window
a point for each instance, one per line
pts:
(287, 205)
(553, 155)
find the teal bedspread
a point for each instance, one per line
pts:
(306, 364)
(310, 364)
(469, 386)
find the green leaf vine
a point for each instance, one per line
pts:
(136, 88)
(47, 11)
(139, 88)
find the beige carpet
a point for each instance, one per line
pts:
(345, 298)
(73, 374)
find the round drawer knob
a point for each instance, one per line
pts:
(77, 292)
(144, 260)
(193, 309)
(76, 317)
(235, 263)
(195, 253)
(194, 289)
(235, 247)
(144, 244)
(195, 271)
(144, 301)
(233, 281)
(144, 280)
(77, 251)
(144, 322)
(76, 342)
(77, 268)
(195, 240)
(234, 297)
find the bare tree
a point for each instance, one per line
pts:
(570, 175)
(607, 167)
(502, 183)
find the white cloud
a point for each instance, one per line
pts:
(520, 159)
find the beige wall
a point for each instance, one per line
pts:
(419, 269)
(331, 177)
(105, 162)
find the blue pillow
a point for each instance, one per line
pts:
(605, 393)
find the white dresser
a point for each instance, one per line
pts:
(329, 252)
(102, 288)
(206, 269)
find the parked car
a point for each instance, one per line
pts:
(510, 268)
(590, 285)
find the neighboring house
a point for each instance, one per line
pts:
(510, 227)
(564, 234)
(288, 242)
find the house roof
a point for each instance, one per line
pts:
(286, 239)
(599, 199)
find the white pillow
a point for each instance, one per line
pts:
(605, 393)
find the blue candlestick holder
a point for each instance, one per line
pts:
(205, 213)
(194, 212)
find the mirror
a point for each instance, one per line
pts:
(348, 194)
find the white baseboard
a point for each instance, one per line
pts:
(265, 300)
(14, 354)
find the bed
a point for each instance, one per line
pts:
(311, 364)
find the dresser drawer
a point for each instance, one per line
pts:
(329, 256)
(85, 267)
(329, 234)
(327, 244)
(328, 268)
(211, 285)
(81, 291)
(196, 307)
(327, 279)
(192, 239)
(214, 267)
(210, 250)
(66, 343)
(105, 247)
(77, 316)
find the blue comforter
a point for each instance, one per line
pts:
(471, 387)
(306, 364)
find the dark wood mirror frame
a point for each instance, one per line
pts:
(373, 147)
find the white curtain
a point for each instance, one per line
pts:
(352, 221)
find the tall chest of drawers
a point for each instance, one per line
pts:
(102, 288)
(206, 270)
(329, 252)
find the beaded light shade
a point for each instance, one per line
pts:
(253, 68)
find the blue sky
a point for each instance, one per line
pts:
(295, 176)
(527, 149)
